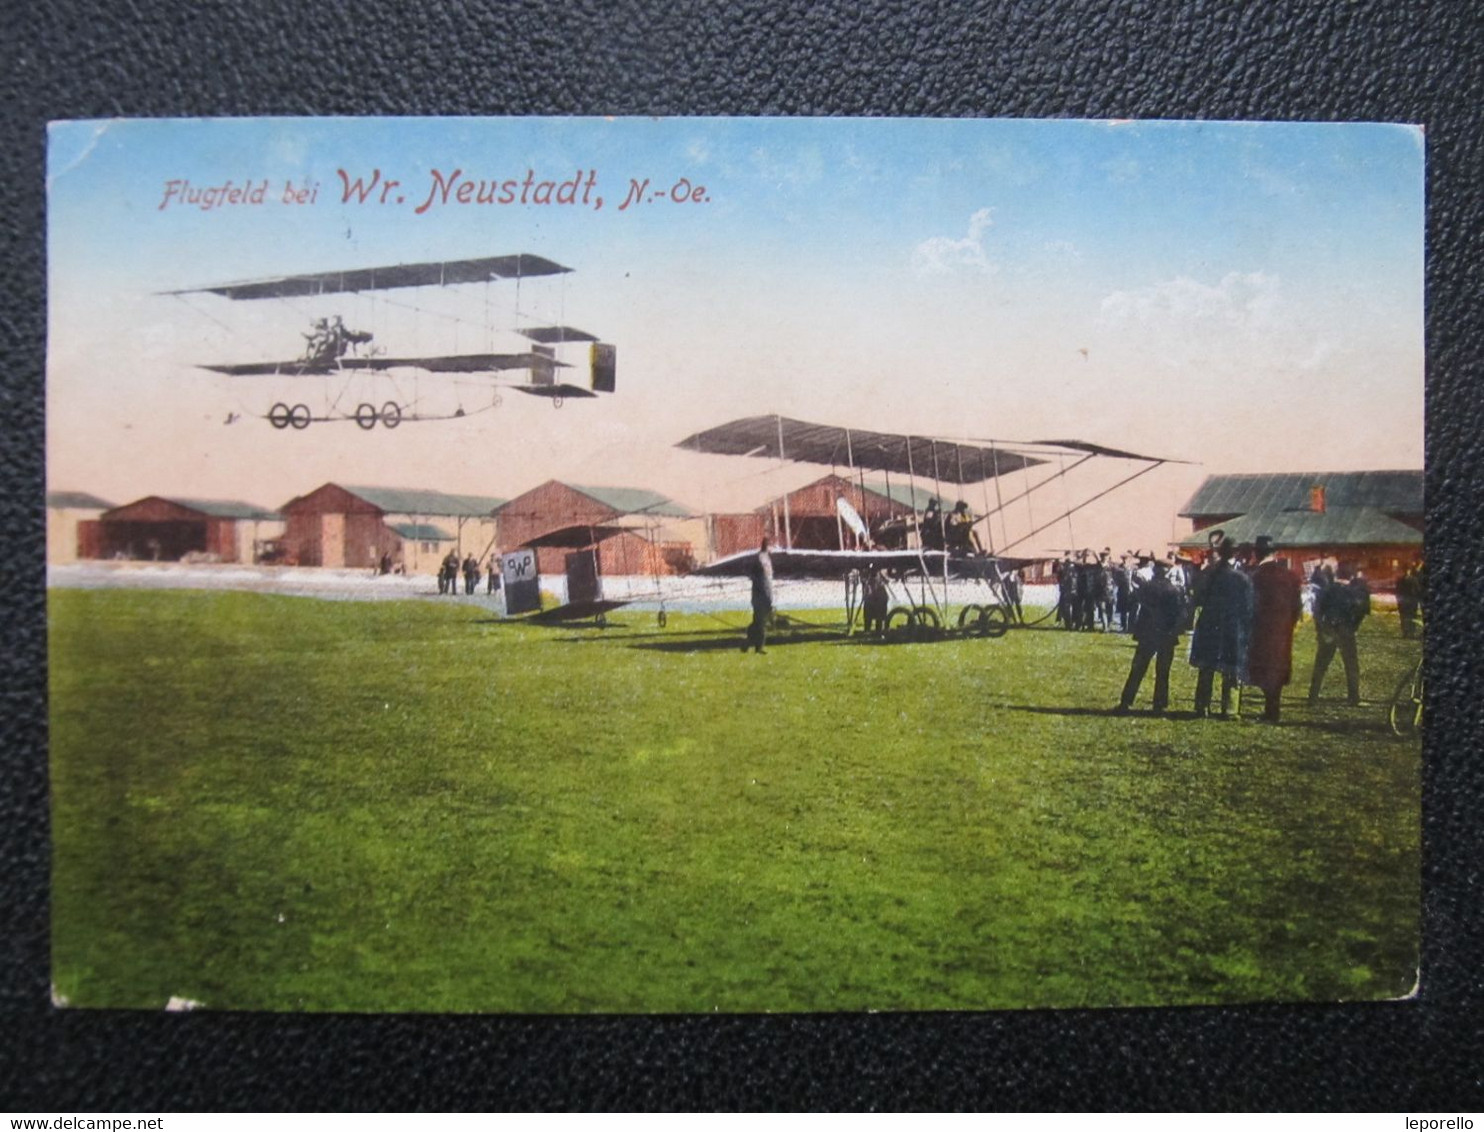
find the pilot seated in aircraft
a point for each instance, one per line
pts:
(332, 340)
(962, 538)
(318, 344)
(930, 527)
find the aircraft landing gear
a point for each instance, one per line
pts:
(282, 416)
(366, 415)
(984, 621)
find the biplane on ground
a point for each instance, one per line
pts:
(586, 600)
(344, 356)
(922, 585)
(933, 582)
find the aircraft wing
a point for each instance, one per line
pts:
(1100, 450)
(575, 537)
(450, 363)
(556, 390)
(556, 335)
(827, 564)
(575, 611)
(459, 363)
(298, 368)
(443, 274)
(783, 438)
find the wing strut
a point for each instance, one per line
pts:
(1071, 511)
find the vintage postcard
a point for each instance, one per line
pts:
(689, 565)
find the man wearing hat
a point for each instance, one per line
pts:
(959, 531)
(1277, 606)
(1156, 632)
(1224, 631)
(1338, 611)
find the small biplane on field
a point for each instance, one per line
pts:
(938, 584)
(338, 360)
(583, 573)
(629, 541)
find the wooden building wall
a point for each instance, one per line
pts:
(157, 529)
(554, 505)
(332, 527)
(811, 520)
(734, 534)
(544, 509)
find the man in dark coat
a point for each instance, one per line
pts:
(1338, 611)
(1277, 606)
(1066, 591)
(930, 528)
(1224, 630)
(875, 597)
(1409, 599)
(1123, 594)
(1156, 633)
(761, 573)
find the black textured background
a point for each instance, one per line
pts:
(1402, 62)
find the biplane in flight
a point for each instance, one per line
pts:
(340, 359)
(930, 568)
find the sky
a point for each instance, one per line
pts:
(1245, 297)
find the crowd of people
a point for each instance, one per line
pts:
(451, 568)
(1241, 607)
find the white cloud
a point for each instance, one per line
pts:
(942, 255)
(1183, 303)
(1245, 319)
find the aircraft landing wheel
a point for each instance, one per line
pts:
(279, 415)
(299, 416)
(366, 415)
(994, 621)
(391, 414)
(901, 624)
(662, 618)
(927, 623)
(601, 620)
(969, 617)
(556, 402)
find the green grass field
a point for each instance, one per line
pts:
(279, 803)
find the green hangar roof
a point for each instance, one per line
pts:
(1395, 492)
(417, 501)
(1335, 526)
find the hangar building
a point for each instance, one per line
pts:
(648, 549)
(168, 530)
(809, 519)
(64, 511)
(1371, 519)
(353, 526)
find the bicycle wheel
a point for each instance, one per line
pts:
(1405, 713)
